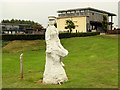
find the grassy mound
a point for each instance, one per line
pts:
(23, 45)
(92, 63)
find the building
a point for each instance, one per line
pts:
(85, 19)
(12, 28)
(8, 28)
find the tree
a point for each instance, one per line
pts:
(12, 21)
(5, 21)
(37, 27)
(70, 25)
(104, 23)
(27, 24)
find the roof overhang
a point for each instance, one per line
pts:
(101, 11)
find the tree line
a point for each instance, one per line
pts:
(34, 25)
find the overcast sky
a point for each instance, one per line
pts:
(38, 11)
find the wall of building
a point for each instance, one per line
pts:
(80, 23)
(97, 16)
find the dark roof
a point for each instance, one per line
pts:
(101, 11)
(13, 24)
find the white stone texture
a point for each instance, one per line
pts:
(54, 68)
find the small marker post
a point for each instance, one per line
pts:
(21, 66)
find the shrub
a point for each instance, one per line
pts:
(42, 37)
(68, 35)
(22, 37)
(113, 31)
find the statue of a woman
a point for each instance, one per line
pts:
(54, 72)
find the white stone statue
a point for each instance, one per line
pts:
(54, 72)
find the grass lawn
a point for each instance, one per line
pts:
(92, 63)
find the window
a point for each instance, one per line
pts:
(82, 11)
(77, 11)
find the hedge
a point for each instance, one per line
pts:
(21, 37)
(113, 31)
(9, 37)
(69, 35)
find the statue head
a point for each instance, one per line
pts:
(52, 20)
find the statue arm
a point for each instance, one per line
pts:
(60, 45)
(62, 48)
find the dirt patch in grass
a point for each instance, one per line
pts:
(23, 45)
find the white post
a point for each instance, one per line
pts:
(21, 66)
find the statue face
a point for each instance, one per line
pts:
(51, 21)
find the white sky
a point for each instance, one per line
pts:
(39, 10)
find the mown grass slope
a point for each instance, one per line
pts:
(92, 63)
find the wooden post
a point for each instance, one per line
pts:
(21, 66)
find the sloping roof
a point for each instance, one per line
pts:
(93, 9)
(13, 24)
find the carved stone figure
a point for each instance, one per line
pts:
(54, 68)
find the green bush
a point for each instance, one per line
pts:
(68, 35)
(22, 37)
(42, 37)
